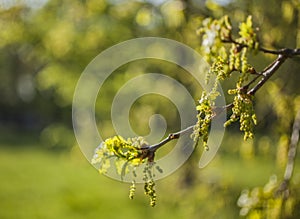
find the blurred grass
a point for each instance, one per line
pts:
(38, 183)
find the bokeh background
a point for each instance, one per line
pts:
(44, 47)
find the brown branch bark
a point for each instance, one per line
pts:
(268, 72)
(171, 136)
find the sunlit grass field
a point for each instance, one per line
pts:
(40, 183)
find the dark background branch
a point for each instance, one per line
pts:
(292, 151)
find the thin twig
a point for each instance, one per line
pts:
(285, 51)
(251, 82)
(171, 136)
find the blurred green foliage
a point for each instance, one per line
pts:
(42, 54)
(38, 183)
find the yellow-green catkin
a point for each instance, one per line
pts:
(132, 190)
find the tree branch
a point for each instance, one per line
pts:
(268, 72)
(283, 54)
(171, 136)
(285, 51)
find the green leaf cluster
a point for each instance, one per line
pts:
(213, 32)
(226, 56)
(216, 34)
(247, 34)
(127, 152)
